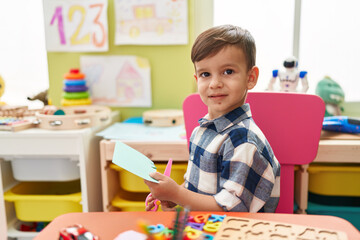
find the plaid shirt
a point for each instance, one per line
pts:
(231, 160)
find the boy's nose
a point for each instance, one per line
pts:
(216, 82)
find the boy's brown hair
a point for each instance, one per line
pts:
(216, 38)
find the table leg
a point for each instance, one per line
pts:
(301, 188)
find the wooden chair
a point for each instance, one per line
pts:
(292, 124)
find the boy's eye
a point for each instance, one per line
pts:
(205, 74)
(228, 72)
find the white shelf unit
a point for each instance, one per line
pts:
(76, 145)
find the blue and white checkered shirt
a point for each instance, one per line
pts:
(231, 160)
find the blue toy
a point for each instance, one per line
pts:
(342, 124)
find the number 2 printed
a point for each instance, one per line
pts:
(75, 39)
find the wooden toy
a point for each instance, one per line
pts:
(15, 111)
(76, 117)
(163, 117)
(245, 228)
(16, 118)
(14, 124)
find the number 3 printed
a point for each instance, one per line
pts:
(96, 21)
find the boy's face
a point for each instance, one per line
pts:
(223, 80)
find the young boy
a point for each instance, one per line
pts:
(231, 166)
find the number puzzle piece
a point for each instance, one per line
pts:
(216, 218)
(192, 233)
(197, 226)
(212, 226)
(156, 228)
(207, 236)
(166, 233)
(201, 218)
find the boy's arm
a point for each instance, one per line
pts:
(250, 180)
(196, 201)
(167, 189)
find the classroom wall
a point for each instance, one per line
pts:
(171, 67)
(351, 109)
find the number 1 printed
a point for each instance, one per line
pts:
(58, 16)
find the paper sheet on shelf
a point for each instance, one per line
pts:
(133, 161)
(141, 132)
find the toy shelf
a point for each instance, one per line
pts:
(78, 148)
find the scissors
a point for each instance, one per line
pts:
(167, 172)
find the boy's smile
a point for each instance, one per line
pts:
(223, 80)
(218, 96)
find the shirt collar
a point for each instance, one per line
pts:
(230, 119)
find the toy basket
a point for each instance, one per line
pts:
(45, 169)
(43, 201)
(132, 183)
(123, 204)
(334, 179)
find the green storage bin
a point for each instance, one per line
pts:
(334, 200)
(351, 214)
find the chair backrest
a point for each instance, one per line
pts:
(292, 124)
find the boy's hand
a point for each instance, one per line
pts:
(165, 205)
(166, 189)
(168, 206)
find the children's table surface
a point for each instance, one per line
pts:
(107, 225)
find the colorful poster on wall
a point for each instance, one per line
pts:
(76, 25)
(122, 81)
(151, 22)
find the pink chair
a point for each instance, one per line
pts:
(292, 124)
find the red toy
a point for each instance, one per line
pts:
(76, 232)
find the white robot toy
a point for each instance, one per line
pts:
(289, 78)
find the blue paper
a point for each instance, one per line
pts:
(133, 161)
